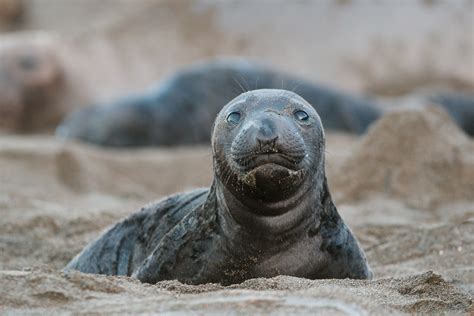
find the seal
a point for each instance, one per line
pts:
(460, 106)
(194, 96)
(268, 211)
(32, 85)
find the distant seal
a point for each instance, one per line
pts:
(460, 106)
(268, 211)
(181, 110)
(32, 84)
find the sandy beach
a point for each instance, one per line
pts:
(56, 197)
(405, 188)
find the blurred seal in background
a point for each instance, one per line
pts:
(31, 84)
(182, 108)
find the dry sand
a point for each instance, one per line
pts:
(416, 226)
(405, 189)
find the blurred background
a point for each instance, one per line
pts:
(97, 50)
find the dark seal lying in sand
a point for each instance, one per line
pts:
(268, 211)
(182, 109)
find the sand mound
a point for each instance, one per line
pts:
(416, 155)
(43, 290)
(71, 168)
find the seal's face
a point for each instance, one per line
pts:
(267, 144)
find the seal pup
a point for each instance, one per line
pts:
(268, 211)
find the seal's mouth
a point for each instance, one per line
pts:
(271, 178)
(255, 160)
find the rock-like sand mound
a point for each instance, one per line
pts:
(415, 155)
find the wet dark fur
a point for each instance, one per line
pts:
(275, 217)
(181, 109)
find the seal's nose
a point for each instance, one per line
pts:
(266, 135)
(267, 145)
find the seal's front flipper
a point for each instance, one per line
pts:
(121, 249)
(112, 253)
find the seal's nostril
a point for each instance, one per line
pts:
(274, 141)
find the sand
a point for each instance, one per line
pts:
(46, 291)
(418, 234)
(405, 189)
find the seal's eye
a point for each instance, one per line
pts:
(301, 115)
(233, 117)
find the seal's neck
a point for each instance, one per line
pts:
(292, 216)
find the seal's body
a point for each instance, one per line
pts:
(268, 211)
(181, 109)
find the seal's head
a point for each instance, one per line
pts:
(268, 147)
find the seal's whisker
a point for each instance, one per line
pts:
(241, 87)
(245, 82)
(296, 86)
